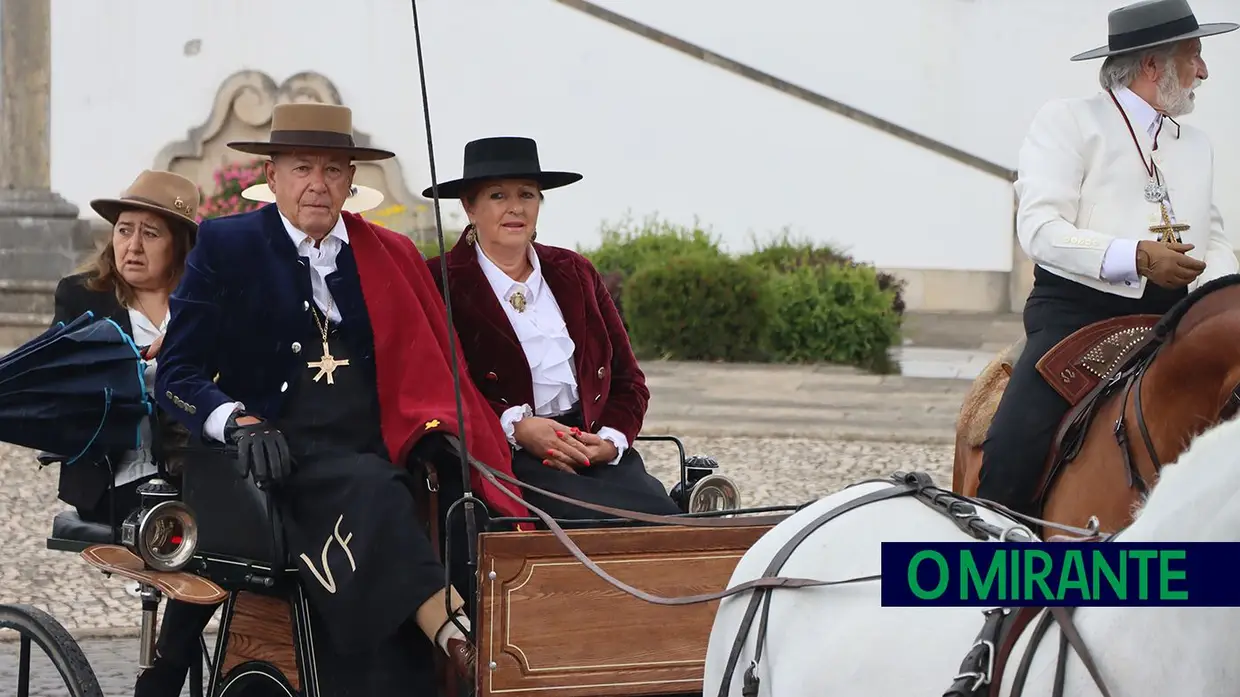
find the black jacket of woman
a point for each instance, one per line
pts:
(84, 485)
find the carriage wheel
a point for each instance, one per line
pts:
(35, 625)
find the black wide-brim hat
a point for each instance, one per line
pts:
(505, 157)
(1151, 23)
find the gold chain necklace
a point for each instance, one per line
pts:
(328, 363)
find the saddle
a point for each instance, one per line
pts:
(1086, 368)
(1076, 365)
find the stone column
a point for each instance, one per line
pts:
(40, 232)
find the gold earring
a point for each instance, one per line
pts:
(471, 234)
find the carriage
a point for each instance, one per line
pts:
(543, 623)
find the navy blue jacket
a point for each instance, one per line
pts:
(242, 313)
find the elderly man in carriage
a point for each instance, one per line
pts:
(1117, 211)
(314, 343)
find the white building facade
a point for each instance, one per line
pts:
(137, 84)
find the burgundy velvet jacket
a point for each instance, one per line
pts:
(612, 388)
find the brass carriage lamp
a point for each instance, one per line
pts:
(162, 531)
(704, 489)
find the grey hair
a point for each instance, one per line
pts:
(1119, 71)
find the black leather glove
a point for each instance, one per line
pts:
(261, 449)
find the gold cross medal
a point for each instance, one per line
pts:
(327, 365)
(1168, 232)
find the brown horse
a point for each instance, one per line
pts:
(1172, 376)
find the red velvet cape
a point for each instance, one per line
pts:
(411, 358)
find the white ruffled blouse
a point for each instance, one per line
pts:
(547, 345)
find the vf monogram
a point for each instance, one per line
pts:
(326, 579)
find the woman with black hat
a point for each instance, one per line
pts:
(543, 340)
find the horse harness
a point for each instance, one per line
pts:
(981, 672)
(982, 669)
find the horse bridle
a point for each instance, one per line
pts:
(1135, 378)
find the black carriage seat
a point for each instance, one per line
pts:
(69, 532)
(72, 534)
(237, 523)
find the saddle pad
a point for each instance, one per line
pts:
(1077, 364)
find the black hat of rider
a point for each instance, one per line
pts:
(1150, 23)
(503, 157)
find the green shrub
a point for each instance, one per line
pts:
(833, 313)
(627, 246)
(430, 248)
(784, 254)
(700, 307)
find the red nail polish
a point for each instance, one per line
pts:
(576, 431)
(546, 462)
(550, 453)
(559, 434)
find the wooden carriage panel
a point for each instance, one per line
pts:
(261, 629)
(553, 628)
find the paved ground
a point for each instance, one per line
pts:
(962, 330)
(786, 434)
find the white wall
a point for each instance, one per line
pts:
(651, 129)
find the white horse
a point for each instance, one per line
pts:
(839, 640)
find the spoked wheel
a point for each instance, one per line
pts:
(35, 626)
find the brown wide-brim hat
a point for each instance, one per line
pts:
(1151, 23)
(170, 195)
(309, 126)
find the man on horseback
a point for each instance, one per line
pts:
(1116, 210)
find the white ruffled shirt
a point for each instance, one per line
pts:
(548, 349)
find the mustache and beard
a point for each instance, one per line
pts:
(1175, 99)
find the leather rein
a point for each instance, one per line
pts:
(979, 670)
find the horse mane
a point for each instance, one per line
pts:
(1167, 325)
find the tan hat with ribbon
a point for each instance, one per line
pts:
(310, 126)
(171, 195)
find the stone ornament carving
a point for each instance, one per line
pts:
(242, 111)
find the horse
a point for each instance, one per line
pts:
(1170, 377)
(839, 640)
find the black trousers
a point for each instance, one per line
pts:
(1015, 452)
(366, 564)
(177, 646)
